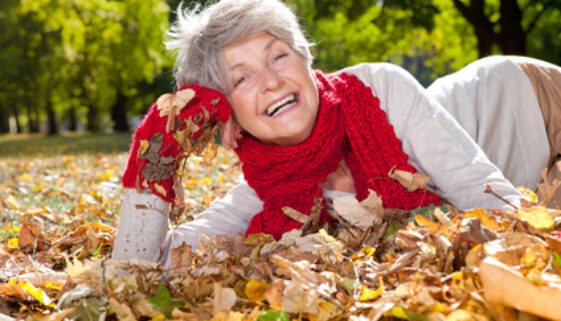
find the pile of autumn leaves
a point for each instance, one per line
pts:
(376, 264)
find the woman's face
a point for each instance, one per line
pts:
(274, 96)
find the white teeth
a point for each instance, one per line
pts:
(281, 105)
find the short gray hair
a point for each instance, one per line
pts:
(200, 35)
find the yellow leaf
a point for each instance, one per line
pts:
(39, 188)
(10, 200)
(160, 189)
(486, 221)
(528, 193)
(143, 147)
(24, 177)
(207, 180)
(13, 242)
(105, 176)
(232, 316)
(399, 312)
(54, 286)
(538, 217)
(158, 317)
(38, 294)
(255, 290)
(369, 295)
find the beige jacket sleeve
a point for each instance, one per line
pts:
(436, 143)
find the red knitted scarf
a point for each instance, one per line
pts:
(350, 125)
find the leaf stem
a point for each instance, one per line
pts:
(489, 190)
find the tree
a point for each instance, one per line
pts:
(70, 57)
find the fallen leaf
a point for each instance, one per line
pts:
(274, 294)
(255, 290)
(164, 302)
(160, 189)
(272, 315)
(369, 295)
(224, 299)
(181, 258)
(300, 299)
(538, 217)
(357, 214)
(143, 147)
(411, 181)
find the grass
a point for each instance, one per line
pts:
(61, 179)
(29, 145)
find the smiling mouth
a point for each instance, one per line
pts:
(282, 105)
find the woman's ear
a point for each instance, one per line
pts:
(230, 133)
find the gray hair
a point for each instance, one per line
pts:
(200, 35)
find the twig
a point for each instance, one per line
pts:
(489, 190)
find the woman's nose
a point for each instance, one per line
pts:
(271, 79)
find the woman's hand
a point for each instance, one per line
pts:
(230, 133)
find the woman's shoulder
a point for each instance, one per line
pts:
(380, 75)
(374, 69)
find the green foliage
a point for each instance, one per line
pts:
(272, 315)
(164, 302)
(80, 54)
(85, 57)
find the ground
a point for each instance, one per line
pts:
(60, 200)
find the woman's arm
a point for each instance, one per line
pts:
(494, 101)
(144, 230)
(435, 142)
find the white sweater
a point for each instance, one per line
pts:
(436, 143)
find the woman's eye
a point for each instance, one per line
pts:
(279, 57)
(239, 81)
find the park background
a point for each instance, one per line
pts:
(97, 65)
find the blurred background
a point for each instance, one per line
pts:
(96, 66)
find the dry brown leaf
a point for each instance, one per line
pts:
(181, 258)
(504, 285)
(224, 299)
(40, 278)
(122, 311)
(92, 243)
(182, 98)
(300, 299)
(160, 189)
(31, 237)
(274, 294)
(350, 209)
(13, 290)
(184, 316)
(547, 188)
(411, 181)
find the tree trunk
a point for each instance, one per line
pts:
(92, 125)
(36, 119)
(72, 120)
(484, 43)
(51, 116)
(31, 121)
(19, 128)
(4, 123)
(119, 114)
(512, 38)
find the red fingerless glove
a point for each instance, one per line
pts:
(178, 123)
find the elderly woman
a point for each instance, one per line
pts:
(303, 134)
